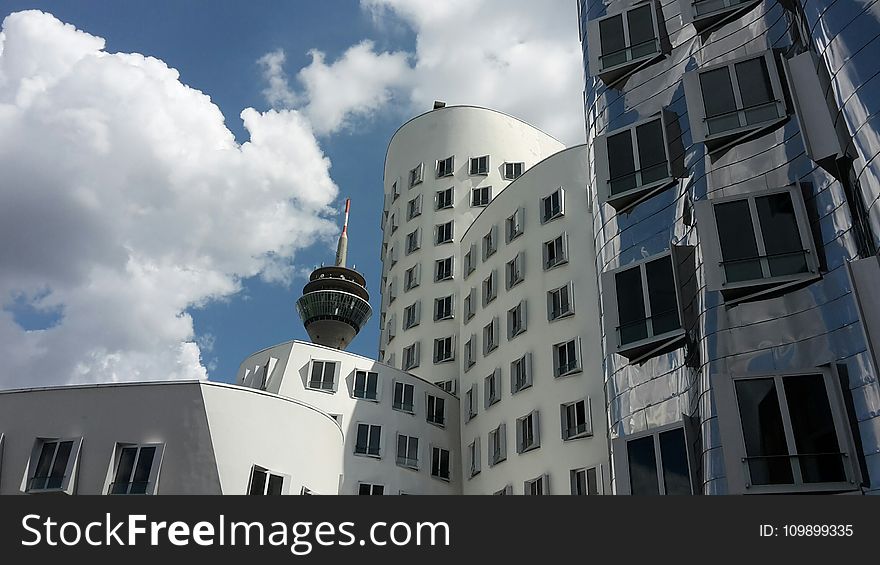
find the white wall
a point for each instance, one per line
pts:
(555, 456)
(291, 380)
(462, 132)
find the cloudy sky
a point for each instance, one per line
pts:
(170, 170)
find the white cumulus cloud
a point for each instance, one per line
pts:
(126, 200)
(519, 56)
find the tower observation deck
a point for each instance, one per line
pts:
(335, 303)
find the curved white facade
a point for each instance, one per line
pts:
(290, 374)
(546, 390)
(462, 133)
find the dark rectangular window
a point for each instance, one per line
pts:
(366, 385)
(403, 397)
(642, 466)
(133, 470)
(630, 306)
(323, 375)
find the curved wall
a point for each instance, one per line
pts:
(808, 327)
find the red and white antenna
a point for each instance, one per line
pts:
(342, 247)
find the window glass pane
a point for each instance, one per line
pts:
(755, 90)
(641, 31)
(642, 466)
(718, 100)
(739, 250)
(375, 435)
(142, 471)
(673, 454)
(612, 41)
(362, 435)
(630, 306)
(372, 385)
(401, 446)
(275, 483)
(123, 470)
(413, 452)
(782, 240)
(592, 481)
(763, 432)
(364, 489)
(662, 296)
(60, 466)
(258, 482)
(652, 152)
(43, 465)
(621, 164)
(813, 426)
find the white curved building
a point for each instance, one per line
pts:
(442, 168)
(401, 433)
(531, 372)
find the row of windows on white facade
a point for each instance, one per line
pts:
(583, 481)
(446, 168)
(407, 454)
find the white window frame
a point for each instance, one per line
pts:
(520, 311)
(485, 196)
(569, 289)
(644, 347)
(523, 364)
(490, 288)
(713, 259)
(491, 399)
(490, 242)
(417, 175)
(572, 368)
(587, 431)
(625, 200)
(450, 312)
(543, 481)
(369, 436)
(445, 167)
(437, 451)
(414, 208)
(367, 373)
(515, 224)
(335, 384)
(156, 465)
(413, 241)
(285, 480)
(730, 424)
(431, 415)
(440, 199)
(710, 20)
(561, 251)
(412, 315)
(372, 487)
(621, 457)
(412, 277)
(411, 356)
(475, 457)
(470, 354)
(68, 482)
(515, 270)
(497, 436)
(405, 461)
(470, 260)
(613, 73)
(438, 232)
(450, 353)
(549, 198)
(510, 170)
(600, 479)
(474, 165)
(491, 339)
(697, 110)
(439, 276)
(469, 305)
(534, 418)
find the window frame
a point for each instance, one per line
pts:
(440, 199)
(336, 370)
(471, 401)
(543, 480)
(354, 389)
(285, 481)
(722, 140)
(545, 219)
(627, 199)
(546, 246)
(499, 436)
(569, 289)
(732, 435)
(513, 176)
(479, 171)
(534, 417)
(588, 423)
(413, 241)
(515, 225)
(621, 457)
(515, 270)
(492, 399)
(414, 356)
(414, 207)
(412, 277)
(713, 258)
(526, 362)
(475, 456)
(450, 312)
(490, 288)
(600, 480)
(439, 228)
(485, 194)
(491, 337)
(450, 353)
(645, 347)
(431, 415)
(372, 487)
(489, 244)
(417, 175)
(577, 367)
(711, 20)
(470, 261)
(440, 276)
(520, 310)
(412, 315)
(469, 305)
(407, 462)
(438, 451)
(155, 468)
(68, 482)
(470, 354)
(445, 167)
(612, 74)
(367, 453)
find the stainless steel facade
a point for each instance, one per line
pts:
(813, 325)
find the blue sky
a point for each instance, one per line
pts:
(354, 96)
